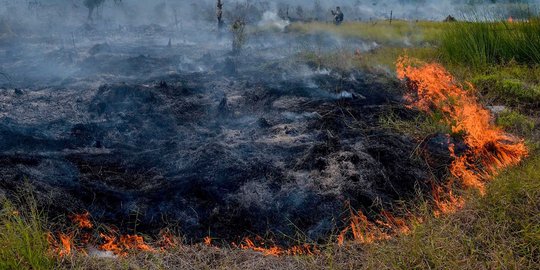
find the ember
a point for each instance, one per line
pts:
(208, 241)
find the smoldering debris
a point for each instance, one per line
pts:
(168, 153)
(269, 148)
(120, 122)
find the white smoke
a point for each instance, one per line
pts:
(271, 18)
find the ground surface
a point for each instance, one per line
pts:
(138, 132)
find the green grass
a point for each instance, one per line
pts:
(507, 90)
(498, 231)
(403, 33)
(23, 239)
(515, 122)
(480, 44)
(419, 127)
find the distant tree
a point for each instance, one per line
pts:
(283, 11)
(94, 4)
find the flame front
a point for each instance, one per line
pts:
(63, 247)
(490, 149)
(248, 244)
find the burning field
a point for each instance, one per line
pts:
(148, 138)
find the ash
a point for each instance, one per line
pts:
(148, 135)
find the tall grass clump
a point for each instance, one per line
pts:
(482, 43)
(23, 240)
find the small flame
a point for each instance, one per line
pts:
(134, 242)
(363, 231)
(63, 247)
(510, 19)
(168, 241)
(110, 244)
(306, 249)
(123, 244)
(208, 241)
(450, 204)
(82, 220)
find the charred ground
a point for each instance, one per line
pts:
(149, 136)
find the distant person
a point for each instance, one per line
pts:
(338, 16)
(92, 5)
(219, 14)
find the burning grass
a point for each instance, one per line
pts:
(447, 102)
(489, 148)
(497, 230)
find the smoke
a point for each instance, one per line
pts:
(271, 18)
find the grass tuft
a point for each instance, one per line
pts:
(23, 239)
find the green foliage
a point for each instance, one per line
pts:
(516, 122)
(480, 44)
(419, 127)
(510, 91)
(23, 240)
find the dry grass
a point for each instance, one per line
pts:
(203, 257)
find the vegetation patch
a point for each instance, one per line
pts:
(23, 238)
(499, 229)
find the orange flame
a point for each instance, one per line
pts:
(305, 249)
(510, 19)
(168, 241)
(208, 241)
(489, 148)
(120, 246)
(82, 220)
(63, 247)
(363, 231)
(448, 205)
